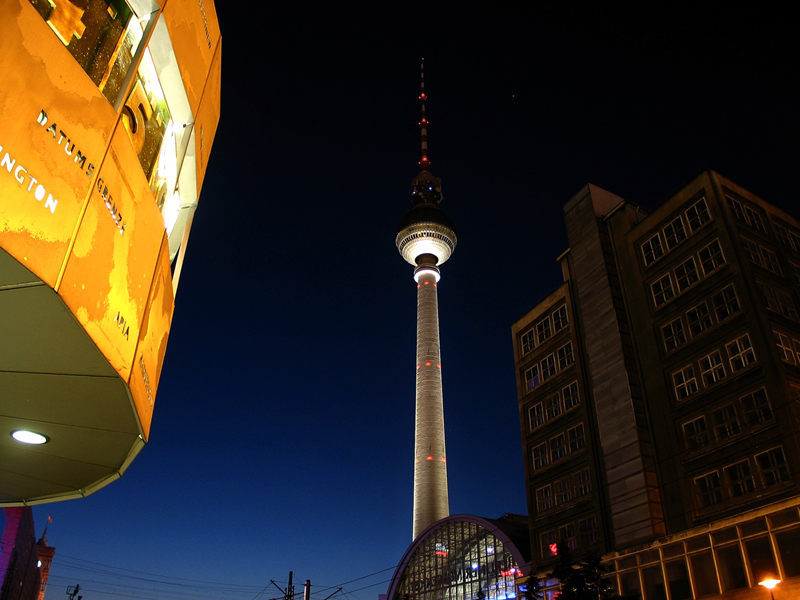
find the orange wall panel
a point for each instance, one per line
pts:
(146, 371)
(207, 118)
(109, 273)
(48, 165)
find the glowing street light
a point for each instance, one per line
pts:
(770, 584)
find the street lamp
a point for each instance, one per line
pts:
(770, 584)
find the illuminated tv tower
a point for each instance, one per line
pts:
(426, 239)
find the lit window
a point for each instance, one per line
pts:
(662, 290)
(544, 500)
(540, 457)
(527, 341)
(711, 257)
(712, 368)
(553, 408)
(726, 422)
(784, 344)
(560, 320)
(697, 215)
(684, 382)
(686, 274)
(571, 395)
(536, 416)
(698, 319)
(740, 481)
(543, 329)
(577, 439)
(549, 539)
(772, 465)
(532, 377)
(740, 353)
(695, 434)
(565, 356)
(581, 483)
(674, 233)
(756, 407)
(708, 489)
(558, 447)
(725, 302)
(652, 249)
(548, 365)
(673, 334)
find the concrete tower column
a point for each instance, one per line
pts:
(430, 463)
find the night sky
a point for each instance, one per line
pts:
(282, 437)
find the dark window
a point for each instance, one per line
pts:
(740, 481)
(536, 416)
(553, 406)
(581, 483)
(543, 329)
(726, 422)
(725, 303)
(711, 257)
(684, 382)
(740, 352)
(558, 447)
(587, 531)
(772, 465)
(565, 356)
(731, 567)
(544, 499)
(686, 274)
(697, 214)
(577, 440)
(756, 408)
(662, 290)
(789, 548)
(532, 377)
(674, 233)
(560, 320)
(562, 491)
(699, 319)
(571, 396)
(704, 574)
(711, 368)
(528, 341)
(540, 458)
(652, 249)
(709, 490)
(548, 366)
(673, 334)
(762, 561)
(695, 434)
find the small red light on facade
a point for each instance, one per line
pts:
(443, 459)
(429, 457)
(426, 283)
(418, 366)
(439, 366)
(428, 364)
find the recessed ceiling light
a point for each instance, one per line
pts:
(29, 437)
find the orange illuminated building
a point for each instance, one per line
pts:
(108, 110)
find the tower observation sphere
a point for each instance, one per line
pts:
(426, 238)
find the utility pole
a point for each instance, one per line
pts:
(288, 593)
(72, 592)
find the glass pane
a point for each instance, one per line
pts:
(784, 517)
(629, 582)
(762, 562)
(731, 567)
(678, 579)
(789, 548)
(653, 583)
(752, 527)
(704, 574)
(671, 550)
(697, 543)
(724, 535)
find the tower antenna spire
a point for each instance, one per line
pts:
(424, 163)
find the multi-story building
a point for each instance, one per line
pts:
(659, 393)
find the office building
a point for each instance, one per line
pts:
(659, 390)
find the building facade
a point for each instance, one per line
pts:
(108, 110)
(659, 390)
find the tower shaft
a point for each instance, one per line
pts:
(430, 465)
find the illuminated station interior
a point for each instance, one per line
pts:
(102, 161)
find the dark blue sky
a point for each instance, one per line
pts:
(282, 436)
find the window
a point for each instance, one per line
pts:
(560, 320)
(549, 541)
(543, 329)
(772, 465)
(684, 382)
(686, 274)
(756, 408)
(673, 335)
(740, 353)
(562, 490)
(726, 422)
(652, 249)
(540, 458)
(581, 483)
(695, 434)
(662, 290)
(565, 356)
(553, 406)
(779, 301)
(566, 533)
(532, 377)
(674, 233)
(699, 319)
(548, 366)
(536, 416)
(725, 302)
(708, 489)
(587, 531)
(740, 481)
(697, 215)
(784, 343)
(577, 440)
(571, 396)
(769, 260)
(544, 500)
(558, 447)
(527, 341)
(711, 368)
(711, 257)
